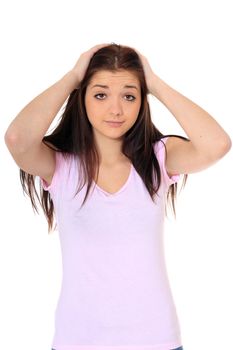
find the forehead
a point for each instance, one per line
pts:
(118, 77)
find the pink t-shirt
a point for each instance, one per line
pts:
(115, 292)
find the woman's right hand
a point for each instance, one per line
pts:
(81, 65)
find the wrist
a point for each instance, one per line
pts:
(71, 79)
(156, 84)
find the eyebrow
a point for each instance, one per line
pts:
(106, 87)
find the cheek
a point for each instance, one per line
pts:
(136, 109)
(94, 113)
(89, 106)
(139, 107)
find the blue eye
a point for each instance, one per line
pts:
(131, 100)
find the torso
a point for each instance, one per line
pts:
(111, 179)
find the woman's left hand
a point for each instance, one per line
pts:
(149, 74)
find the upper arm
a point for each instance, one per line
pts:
(183, 158)
(39, 160)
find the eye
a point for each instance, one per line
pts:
(98, 95)
(133, 98)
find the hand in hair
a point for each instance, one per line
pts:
(149, 74)
(83, 61)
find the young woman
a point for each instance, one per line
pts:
(106, 173)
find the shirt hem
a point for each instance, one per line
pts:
(168, 346)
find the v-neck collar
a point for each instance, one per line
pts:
(120, 190)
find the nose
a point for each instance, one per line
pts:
(116, 108)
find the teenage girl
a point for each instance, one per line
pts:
(115, 290)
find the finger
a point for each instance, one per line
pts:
(97, 47)
(101, 45)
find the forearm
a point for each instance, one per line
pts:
(207, 136)
(33, 121)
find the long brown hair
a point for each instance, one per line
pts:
(73, 134)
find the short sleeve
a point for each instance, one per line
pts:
(57, 176)
(160, 152)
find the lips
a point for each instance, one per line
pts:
(114, 124)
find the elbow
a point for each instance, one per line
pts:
(227, 143)
(10, 139)
(12, 142)
(223, 147)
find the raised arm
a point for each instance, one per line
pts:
(31, 124)
(208, 140)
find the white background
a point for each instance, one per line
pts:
(189, 45)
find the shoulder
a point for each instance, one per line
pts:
(160, 150)
(159, 146)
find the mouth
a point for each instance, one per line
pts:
(114, 124)
(113, 121)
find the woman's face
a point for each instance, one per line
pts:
(117, 100)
